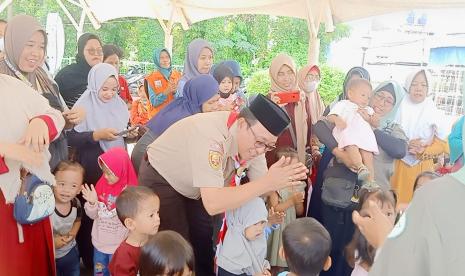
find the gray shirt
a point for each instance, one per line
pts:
(62, 224)
(429, 237)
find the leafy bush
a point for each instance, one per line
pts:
(259, 82)
(331, 83)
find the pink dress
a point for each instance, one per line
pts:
(358, 131)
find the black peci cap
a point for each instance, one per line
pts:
(269, 114)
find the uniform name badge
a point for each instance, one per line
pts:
(158, 83)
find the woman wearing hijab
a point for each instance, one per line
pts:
(72, 80)
(112, 54)
(199, 61)
(327, 155)
(424, 126)
(309, 78)
(334, 211)
(24, 249)
(283, 74)
(25, 42)
(107, 115)
(200, 95)
(161, 83)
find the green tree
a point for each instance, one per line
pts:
(331, 83)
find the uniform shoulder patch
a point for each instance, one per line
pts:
(215, 155)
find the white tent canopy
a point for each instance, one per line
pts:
(315, 12)
(187, 12)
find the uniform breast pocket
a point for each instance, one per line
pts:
(158, 83)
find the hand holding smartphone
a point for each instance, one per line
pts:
(288, 97)
(125, 132)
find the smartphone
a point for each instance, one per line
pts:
(126, 131)
(288, 97)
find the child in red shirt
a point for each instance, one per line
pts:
(137, 208)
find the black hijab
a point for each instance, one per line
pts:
(72, 80)
(362, 72)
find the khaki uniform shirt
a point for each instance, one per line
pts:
(429, 239)
(198, 152)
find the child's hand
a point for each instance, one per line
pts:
(298, 197)
(364, 113)
(67, 239)
(275, 217)
(59, 241)
(340, 123)
(89, 194)
(375, 121)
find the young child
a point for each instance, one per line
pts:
(107, 231)
(225, 78)
(167, 253)
(291, 202)
(243, 250)
(67, 217)
(352, 132)
(139, 108)
(359, 253)
(137, 208)
(424, 178)
(306, 248)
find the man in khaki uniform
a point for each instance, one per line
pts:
(192, 165)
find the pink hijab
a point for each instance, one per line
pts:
(118, 161)
(317, 106)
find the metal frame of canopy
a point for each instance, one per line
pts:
(187, 12)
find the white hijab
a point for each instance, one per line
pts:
(18, 106)
(420, 120)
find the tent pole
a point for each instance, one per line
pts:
(6, 4)
(313, 28)
(169, 37)
(313, 50)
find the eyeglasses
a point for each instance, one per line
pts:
(95, 52)
(385, 100)
(260, 144)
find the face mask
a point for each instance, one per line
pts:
(312, 86)
(2, 46)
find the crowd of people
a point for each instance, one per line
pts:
(221, 181)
